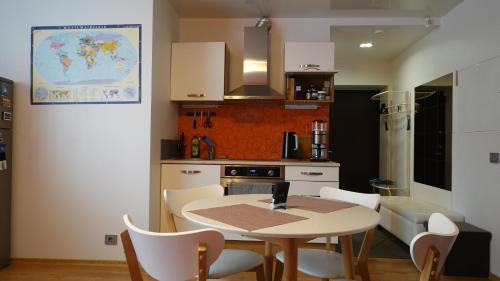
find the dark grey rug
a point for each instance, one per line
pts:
(385, 245)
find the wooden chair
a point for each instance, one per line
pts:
(429, 250)
(325, 263)
(231, 261)
(170, 256)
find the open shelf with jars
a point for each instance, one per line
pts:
(307, 88)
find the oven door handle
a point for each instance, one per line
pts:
(190, 172)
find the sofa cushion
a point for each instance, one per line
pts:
(416, 210)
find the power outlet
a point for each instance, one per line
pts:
(110, 239)
(494, 157)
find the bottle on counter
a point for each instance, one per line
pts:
(195, 147)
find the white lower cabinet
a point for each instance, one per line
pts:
(308, 180)
(309, 187)
(176, 176)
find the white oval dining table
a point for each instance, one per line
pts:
(289, 236)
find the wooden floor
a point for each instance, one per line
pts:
(37, 270)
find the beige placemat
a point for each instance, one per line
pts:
(314, 204)
(247, 216)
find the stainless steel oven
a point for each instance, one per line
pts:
(250, 174)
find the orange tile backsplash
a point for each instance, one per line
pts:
(248, 131)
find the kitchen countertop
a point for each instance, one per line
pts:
(251, 162)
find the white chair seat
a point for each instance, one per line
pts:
(319, 263)
(232, 261)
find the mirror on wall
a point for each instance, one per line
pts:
(433, 133)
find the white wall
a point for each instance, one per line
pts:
(469, 34)
(362, 72)
(77, 168)
(163, 112)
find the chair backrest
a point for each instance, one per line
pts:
(175, 199)
(368, 200)
(441, 235)
(173, 256)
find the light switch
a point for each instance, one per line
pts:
(494, 157)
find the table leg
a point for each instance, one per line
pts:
(346, 243)
(268, 260)
(290, 248)
(364, 253)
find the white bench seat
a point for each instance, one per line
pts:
(404, 216)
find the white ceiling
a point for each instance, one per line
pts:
(312, 8)
(387, 45)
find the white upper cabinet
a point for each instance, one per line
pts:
(309, 57)
(198, 71)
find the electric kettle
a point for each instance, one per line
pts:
(290, 145)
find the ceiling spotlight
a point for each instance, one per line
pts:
(366, 45)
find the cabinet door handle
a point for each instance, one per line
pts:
(309, 66)
(190, 172)
(196, 95)
(311, 173)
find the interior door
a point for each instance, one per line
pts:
(354, 135)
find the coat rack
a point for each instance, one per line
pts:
(393, 103)
(389, 108)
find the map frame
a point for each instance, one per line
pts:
(109, 27)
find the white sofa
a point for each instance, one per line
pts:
(404, 216)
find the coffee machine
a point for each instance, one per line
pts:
(319, 141)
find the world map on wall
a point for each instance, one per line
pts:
(85, 65)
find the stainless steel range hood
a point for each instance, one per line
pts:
(255, 66)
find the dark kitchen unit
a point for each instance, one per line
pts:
(6, 105)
